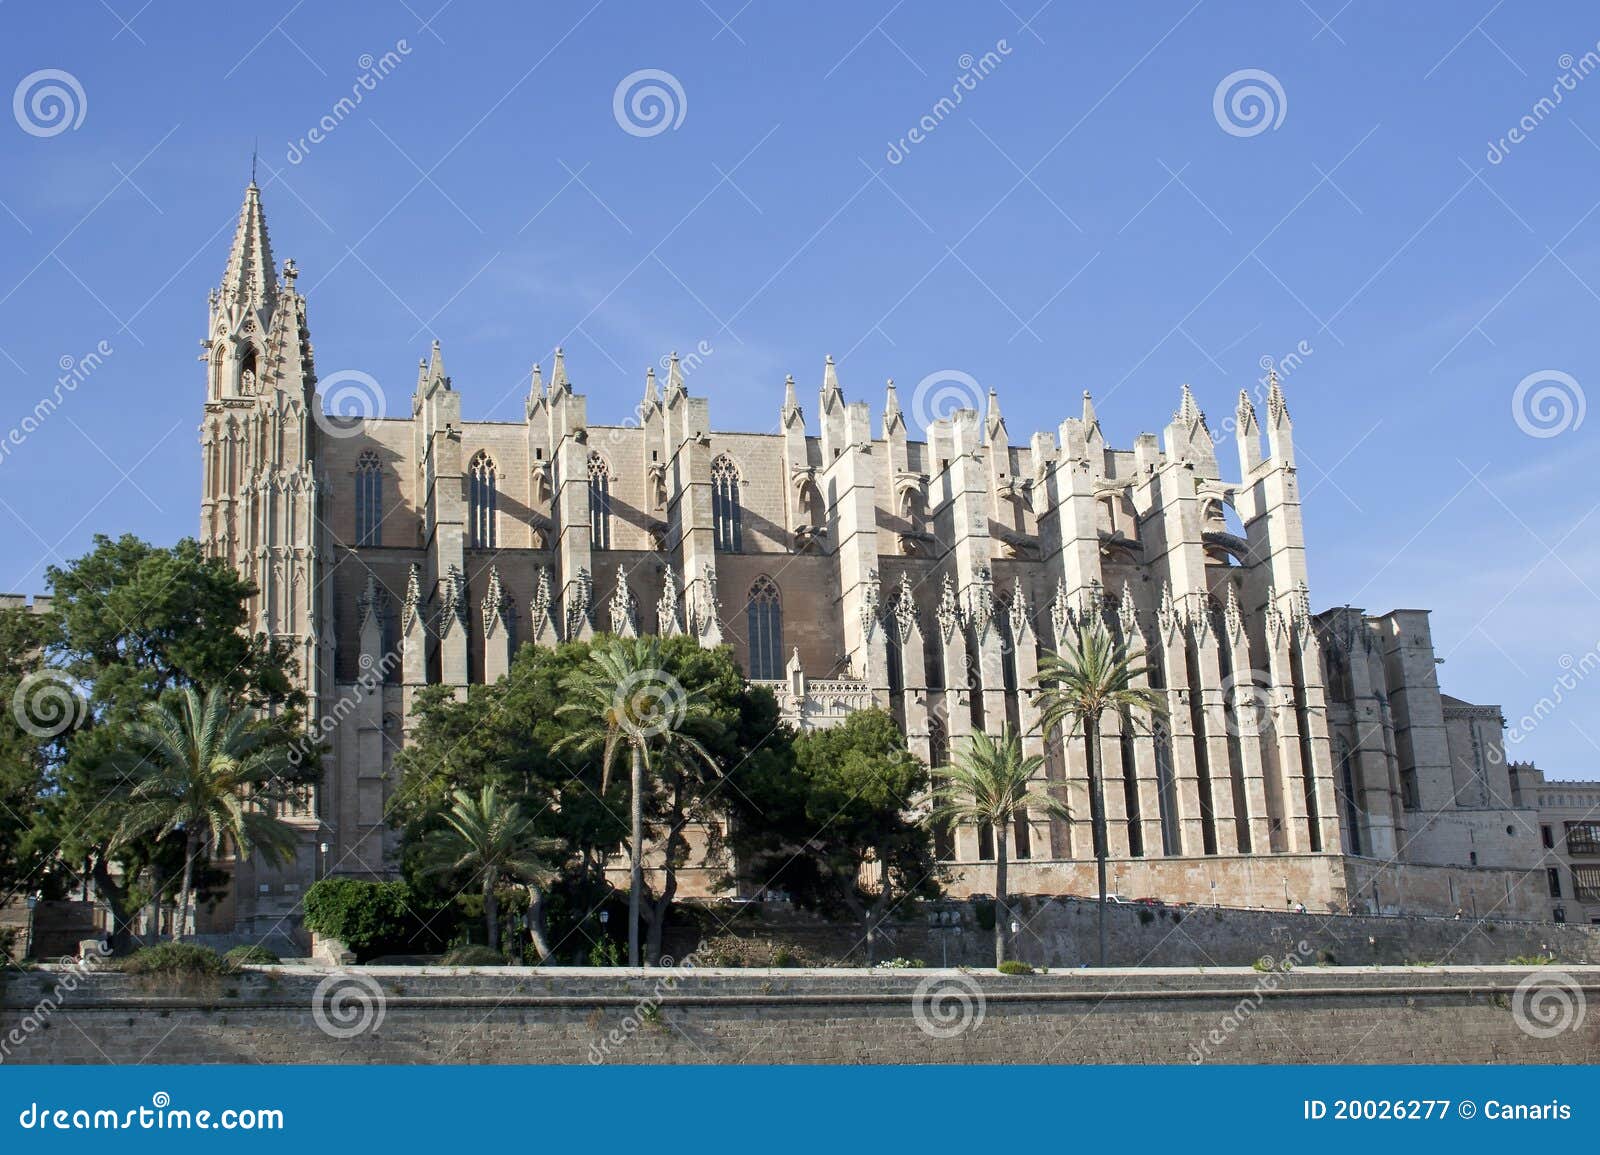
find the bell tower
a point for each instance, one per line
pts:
(263, 505)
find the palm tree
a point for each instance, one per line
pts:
(487, 837)
(1095, 673)
(202, 768)
(990, 782)
(627, 701)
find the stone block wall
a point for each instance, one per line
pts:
(412, 1015)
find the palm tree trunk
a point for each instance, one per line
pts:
(636, 875)
(1097, 817)
(1002, 916)
(535, 920)
(491, 910)
(191, 848)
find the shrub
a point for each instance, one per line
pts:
(731, 951)
(898, 964)
(1532, 960)
(250, 956)
(1014, 967)
(8, 941)
(371, 918)
(176, 958)
(983, 911)
(474, 956)
(605, 953)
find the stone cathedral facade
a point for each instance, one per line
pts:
(1305, 757)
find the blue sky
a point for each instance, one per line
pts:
(1083, 219)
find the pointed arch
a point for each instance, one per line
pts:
(764, 616)
(483, 501)
(369, 499)
(599, 502)
(727, 515)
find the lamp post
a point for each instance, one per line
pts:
(33, 905)
(322, 868)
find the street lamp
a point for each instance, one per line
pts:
(323, 848)
(33, 904)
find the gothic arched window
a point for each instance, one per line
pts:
(726, 514)
(369, 499)
(599, 503)
(766, 630)
(482, 503)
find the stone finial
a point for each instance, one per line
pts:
(493, 609)
(558, 374)
(675, 385)
(652, 391)
(1128, 618)
(830, 381)
(668, 621)
(413, 602)
(369, 602)
(624, 621)
(1233, 617)
(1061, 616)
(949, 610)
(452, 601)
(905, 610)
(1188, 414)
(1277, 408)
(1245, 415)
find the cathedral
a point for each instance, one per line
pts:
(1305, 757)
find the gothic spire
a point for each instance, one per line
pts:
(250, 278)
(791, 406)
(994, 423)
(830, 382)
(1277, 408)
(558, 374)
(892, 419)
(675, 386)
(1246, 415)
(652, 391)
(1188, 414)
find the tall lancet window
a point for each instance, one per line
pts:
(369, 499)
(726, 515)
(766, 630)
(599, 502)
(482, 503)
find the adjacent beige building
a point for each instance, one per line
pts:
(1305, 757)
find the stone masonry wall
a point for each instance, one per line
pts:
(1061, 932)
(416, 1015)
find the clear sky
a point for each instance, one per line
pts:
(1089, 215)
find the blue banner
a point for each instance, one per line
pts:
(780, 1109)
